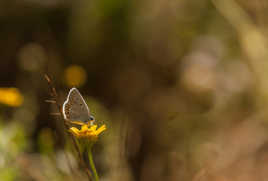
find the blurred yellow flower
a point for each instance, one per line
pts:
(87, 131)
(11, 97)
(75, 76)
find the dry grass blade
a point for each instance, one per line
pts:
(51, 101)
(55, 114)
(55, 97)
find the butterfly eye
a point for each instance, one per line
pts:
(92, 118)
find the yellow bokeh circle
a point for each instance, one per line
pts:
(75, 76)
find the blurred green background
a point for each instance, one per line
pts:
(181, 85)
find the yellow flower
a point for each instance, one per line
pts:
(87, 131)
(11, 97)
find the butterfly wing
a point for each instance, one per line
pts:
(75, 107)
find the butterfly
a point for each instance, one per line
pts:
(75, 109)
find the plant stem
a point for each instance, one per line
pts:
(92, 165)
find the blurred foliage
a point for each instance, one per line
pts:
(181, 85)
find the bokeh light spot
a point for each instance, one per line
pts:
(32, 57)
(11, 97)
(75, 75)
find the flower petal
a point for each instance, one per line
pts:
(93, 128)
(100, 129)
(75, 131)
(78, 123)
(84, 128)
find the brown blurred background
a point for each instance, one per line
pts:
(181, 85)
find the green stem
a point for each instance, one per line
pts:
(92, 165)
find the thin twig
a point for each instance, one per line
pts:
(54, 95)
